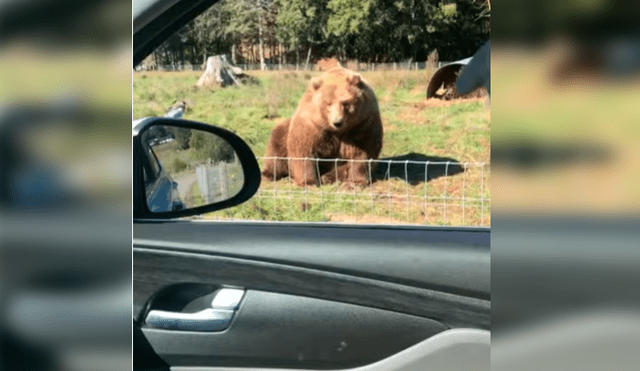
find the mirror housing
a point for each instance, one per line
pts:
(250, 169)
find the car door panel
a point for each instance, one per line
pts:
(451, 260)
(317, 283)
(273, 330)
(155, 270)
(309, 276)
(450, 350)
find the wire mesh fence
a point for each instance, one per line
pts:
(355, 66)
(402, 190)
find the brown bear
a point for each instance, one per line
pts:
(337, 118)
(276, 165)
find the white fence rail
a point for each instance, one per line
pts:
(213, 182)
(411, 189)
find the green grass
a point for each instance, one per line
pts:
(457, 130)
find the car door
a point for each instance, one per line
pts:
(247, 295)
(312, 296)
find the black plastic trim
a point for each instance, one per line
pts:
(448, 259)
(149, 37)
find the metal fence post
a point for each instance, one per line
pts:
(224, 181)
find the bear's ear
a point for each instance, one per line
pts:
(356, 80)
(316, 83)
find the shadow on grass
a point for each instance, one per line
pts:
(415, 168)
(528, 155)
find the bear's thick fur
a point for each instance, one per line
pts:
(327, 64)
(276, 168)
(337, 118)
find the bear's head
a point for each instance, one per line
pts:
(338, 95)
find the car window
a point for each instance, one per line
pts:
(245, 66)
(147, 178)
(153, 160)
(150, 166)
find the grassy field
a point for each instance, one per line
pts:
(415, 129)
(588, 111)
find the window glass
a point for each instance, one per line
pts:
(245, 66)
(153, 161)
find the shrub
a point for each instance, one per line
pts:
(177, 165)
(210, 147)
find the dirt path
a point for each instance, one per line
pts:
(185, 185)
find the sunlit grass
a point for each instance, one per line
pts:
(456, 131)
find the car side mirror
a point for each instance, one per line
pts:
(183, 168)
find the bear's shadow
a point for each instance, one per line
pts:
(415, 168)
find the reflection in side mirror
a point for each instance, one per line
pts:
(185, 168)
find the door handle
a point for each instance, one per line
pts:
(216, 318)
(205, 320)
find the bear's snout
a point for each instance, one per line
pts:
(336, 119)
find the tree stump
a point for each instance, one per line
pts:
(219, 72)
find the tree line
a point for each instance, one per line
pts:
(304, 31)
